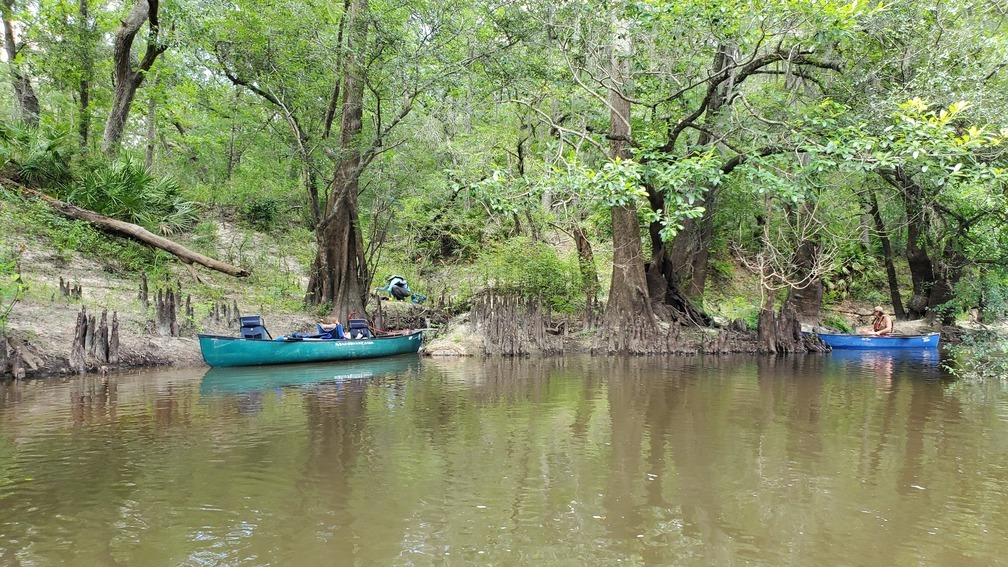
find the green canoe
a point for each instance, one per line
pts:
(235, 351)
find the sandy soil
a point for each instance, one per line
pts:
(43, 323)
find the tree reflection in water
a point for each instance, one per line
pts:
(93, 399)
(824, 459)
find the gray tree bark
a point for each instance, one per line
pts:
(127, 76)
(84, 38)
(629, 319)
(27, 101)
(340, 273)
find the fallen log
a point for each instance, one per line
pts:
(136, 232)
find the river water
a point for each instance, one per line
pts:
(840, 459)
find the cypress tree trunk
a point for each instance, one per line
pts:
(683, 263)
(766, 327)
(921, 270)
(947, 271)
(922, 274)
(87, 69)
(629, 320)
(151, 132)
(589, 275)
(340, 273)
(806, 301)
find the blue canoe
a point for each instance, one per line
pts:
(864, 342)
(237, 351)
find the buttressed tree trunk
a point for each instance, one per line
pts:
(339, 273)
(28, 104)
(127, 77)
(806, 300)
(629, 319)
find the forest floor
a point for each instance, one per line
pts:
(42, 324)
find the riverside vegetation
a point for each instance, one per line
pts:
(630, 178)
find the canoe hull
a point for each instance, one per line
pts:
(221, 351)
(870, 342)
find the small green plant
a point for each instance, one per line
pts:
(12, 286)
(981, 355)
(34, 156)
(834, 321)
(324, 310)
(274, 284)
(204, 237)
(853, 276)
(988, 293)
(722, 270)
(262, 213)
(739, 307)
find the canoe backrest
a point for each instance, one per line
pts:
(359, 329)
(330, 333)
(252, 327)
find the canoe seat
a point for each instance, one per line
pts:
(359, 329)
(252, 327)
(333, 333)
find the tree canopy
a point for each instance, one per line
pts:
(817, 144)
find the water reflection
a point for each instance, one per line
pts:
(258, 378)
(580, 461)
(93, 399)
(10, 392)
(887, 364)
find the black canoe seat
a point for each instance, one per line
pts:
(252, 327)
(359, 329)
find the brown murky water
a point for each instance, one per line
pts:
(825, 460)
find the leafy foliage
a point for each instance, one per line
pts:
(738, 307)
(834, 321)
(533, 269)
(856, 274)
(34, 156)
(500, 114)
(125, 190)
(443, 226)
(261, 214)
(982, 355)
